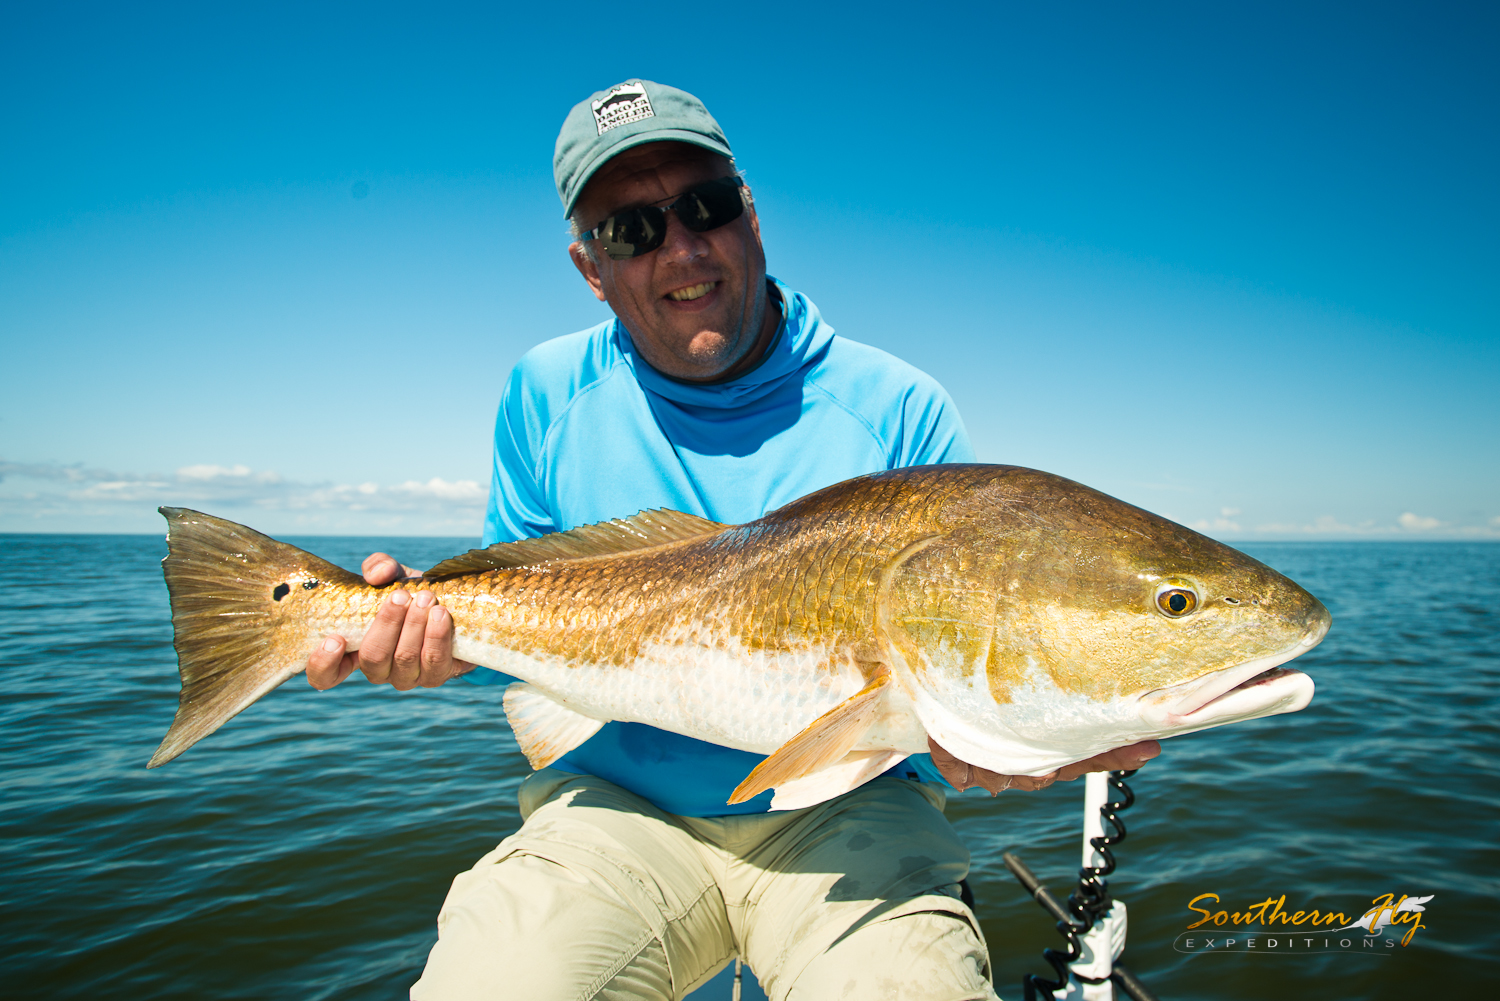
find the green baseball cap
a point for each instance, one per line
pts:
(628, 114)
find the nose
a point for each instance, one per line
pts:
(682, 244)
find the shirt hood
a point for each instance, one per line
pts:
(800, 341)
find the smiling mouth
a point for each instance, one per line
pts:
(692, 292)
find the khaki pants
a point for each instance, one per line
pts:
(602, 895)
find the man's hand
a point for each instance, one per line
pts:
(962, 775)
(410, 643)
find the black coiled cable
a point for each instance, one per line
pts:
(1091, 899)
(1088, 902)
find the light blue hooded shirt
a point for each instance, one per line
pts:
(588, 431)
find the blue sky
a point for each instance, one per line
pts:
(1234, 262)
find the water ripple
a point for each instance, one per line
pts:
(304, 850)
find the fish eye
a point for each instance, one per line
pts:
(1175, 600)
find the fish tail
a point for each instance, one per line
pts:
(227, 583)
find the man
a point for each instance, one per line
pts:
(717, 391)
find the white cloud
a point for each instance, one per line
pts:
(211, 472)
(458, 490)
(55, 497)
(1325, 524)
(51, 497)
(1328, 523)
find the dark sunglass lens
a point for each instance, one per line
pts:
(633, 232)
(710, 205)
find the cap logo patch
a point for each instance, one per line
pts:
(622, 104)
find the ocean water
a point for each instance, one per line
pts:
(302, 852)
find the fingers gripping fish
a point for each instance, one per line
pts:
(1021, 620)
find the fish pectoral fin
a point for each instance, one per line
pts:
(857, 768)
(824, 742)
(545, 728)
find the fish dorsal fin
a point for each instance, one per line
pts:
(641, 531)
(824, 742)
(545, 728)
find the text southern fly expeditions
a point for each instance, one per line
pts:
(1270, 925)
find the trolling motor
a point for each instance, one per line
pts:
(1092, 921)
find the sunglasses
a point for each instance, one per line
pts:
(633, 232)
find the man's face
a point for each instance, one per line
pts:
(696, 305)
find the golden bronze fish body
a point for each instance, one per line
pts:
(1012, 615)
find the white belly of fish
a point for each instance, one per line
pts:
(702, 685)
(705, 684)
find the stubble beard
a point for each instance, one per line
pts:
(712, 353)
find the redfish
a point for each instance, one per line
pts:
(1019, 619)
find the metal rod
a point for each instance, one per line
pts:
(1133, 988)
(1034, 886)
(1032, 985)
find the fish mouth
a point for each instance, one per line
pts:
(1273, 691)
(1259, 687)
